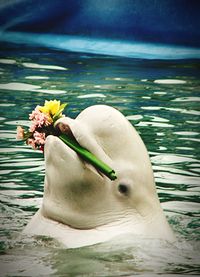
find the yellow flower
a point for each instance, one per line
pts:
(51, 107)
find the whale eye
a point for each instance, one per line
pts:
(123, 189)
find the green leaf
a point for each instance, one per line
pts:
(58, 114)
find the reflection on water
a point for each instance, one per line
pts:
(160, 98)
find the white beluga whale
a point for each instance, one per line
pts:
(81, 206)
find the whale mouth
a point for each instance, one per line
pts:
(56, 149)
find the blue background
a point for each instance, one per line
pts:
(165, 21)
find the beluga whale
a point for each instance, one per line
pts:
(81, 206)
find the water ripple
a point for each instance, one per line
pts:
(18, 86)
(37, 77)
(7, 61)
(187, 99)
(154, 124)
(171, 178)
(92, 95)
(28, 87)
(171, 159)
(184, 111)
(170, 81)
(44, 66)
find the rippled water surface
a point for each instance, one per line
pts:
(160, 98)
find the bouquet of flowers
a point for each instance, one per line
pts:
(42, 124)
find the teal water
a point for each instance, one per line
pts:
(160, 98)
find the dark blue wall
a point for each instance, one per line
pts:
(166, 21)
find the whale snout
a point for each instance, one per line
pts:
(55, 150)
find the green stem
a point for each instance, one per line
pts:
(89, 157)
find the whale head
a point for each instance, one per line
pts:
(77, 195)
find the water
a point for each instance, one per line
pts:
(160, 98)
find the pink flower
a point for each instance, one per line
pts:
(31, 142)
(20, 132)
(33, 127)
(35, 113)
(40, 119)
(39, 138)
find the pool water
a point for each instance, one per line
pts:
(161, 98)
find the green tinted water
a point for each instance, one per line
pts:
(160, 98)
